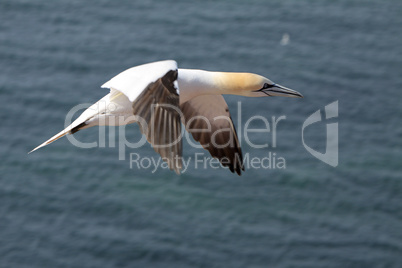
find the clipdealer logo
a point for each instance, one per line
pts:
(270, 161)
(330, 156)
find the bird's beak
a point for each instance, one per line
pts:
(281, 91)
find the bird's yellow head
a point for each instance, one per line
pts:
(252, 85)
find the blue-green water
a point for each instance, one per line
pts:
(64, 206)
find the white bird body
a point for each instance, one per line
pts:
(178, 95)
(193, 83)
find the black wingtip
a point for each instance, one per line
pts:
(77, 128)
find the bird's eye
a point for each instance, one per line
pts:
(266, 85)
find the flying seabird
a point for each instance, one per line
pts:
(159, 97)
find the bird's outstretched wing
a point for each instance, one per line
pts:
(158, 107)
(208, 119)
(153, 91)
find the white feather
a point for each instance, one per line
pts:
(133, 81)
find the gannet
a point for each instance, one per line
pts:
(160, 96)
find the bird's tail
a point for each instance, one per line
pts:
(83, 121)
(68, 130)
